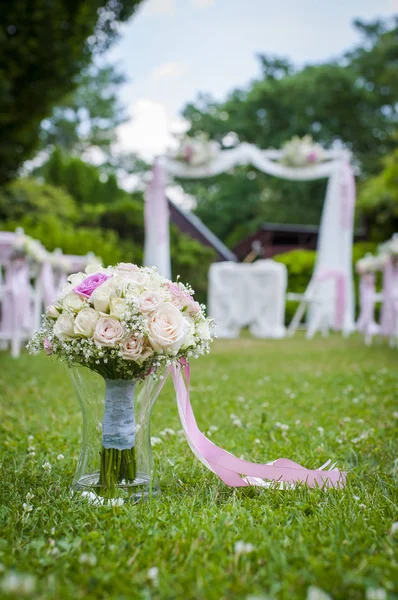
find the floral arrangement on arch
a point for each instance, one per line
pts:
(197, 151)
(123, 322)
(369, 264)
(302, 152)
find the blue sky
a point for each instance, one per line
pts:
(174, 49)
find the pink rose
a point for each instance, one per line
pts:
(312, 157)
(135, 349)
(150, 301)
(108, 331)
(48, 348)
(88, 285)
(167, 329)
(182, 300)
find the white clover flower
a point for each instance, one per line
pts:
(88, 559)
(321, 430)
(116, 502)
(155, 441)
(257, 441)
(60, 457)
(46, 466)
(314, 593)
(282, 426)
(153, 575)
(243, 548)
(394, 528)
(27, 507)
(18, 584)
(376, 594)
(30, 438)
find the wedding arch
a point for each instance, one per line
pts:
(333, 267)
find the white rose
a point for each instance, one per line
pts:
(117, 307)
(190, 334)
(85, 322)
(118, 284)
(134, 349)
(73, 302)
(101, 297)
(167, 329)
(64, 327)
(108, 331)
(150, 301)
(52, 312)
(203, 330)
(76, 278)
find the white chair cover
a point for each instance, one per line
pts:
(248, 294)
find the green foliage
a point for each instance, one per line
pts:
(378, 200)
(337, 540)
(44, 46)
(28, 197)
(350, 101)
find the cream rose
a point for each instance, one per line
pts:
(76, 278)
(101, 297)
(85, 322)
(135, 349)
(95, 267)
(167, 329)
(73, 302)
(117, 307)
(52, 311)
(108, 331)
(150, 301)
(189, 339)
(64, 327)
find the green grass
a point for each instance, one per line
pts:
(339, 541)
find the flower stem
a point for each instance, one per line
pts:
(117, 467)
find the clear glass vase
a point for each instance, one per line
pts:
(116, 456)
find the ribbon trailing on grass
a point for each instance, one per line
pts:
(233, 471)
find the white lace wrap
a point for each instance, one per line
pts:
(118, 425)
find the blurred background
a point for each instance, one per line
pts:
(91, 91)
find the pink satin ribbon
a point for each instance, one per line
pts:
(229, 468)
(367, 290)
(323, 274)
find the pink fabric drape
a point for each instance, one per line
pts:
(233, 471)
(347, 195)
(389, 309)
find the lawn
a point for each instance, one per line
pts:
(334, 398)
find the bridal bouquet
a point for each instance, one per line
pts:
(302, 152)
(126, 323)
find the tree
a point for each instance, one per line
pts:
(352, 101)
(44, 46)
(378, 200)
(88, 115)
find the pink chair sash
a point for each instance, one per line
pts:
(389, 309)
(233, 471)
(367, 290)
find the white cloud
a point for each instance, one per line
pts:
(155, 8)
(170, 70)
(149, 132)
(202, 3)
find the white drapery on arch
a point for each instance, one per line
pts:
(333, 267)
